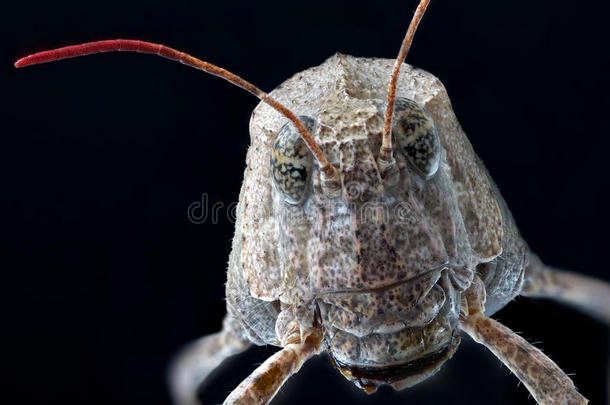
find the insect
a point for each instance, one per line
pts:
(421, 160)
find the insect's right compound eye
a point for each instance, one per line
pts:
(291, 162)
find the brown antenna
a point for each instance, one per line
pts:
(170, 53)
(385, 153)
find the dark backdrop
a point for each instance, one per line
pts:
(103, 275)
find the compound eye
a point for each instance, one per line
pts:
(417, 136)
(291, 162)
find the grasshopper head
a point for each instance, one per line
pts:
(386, 258)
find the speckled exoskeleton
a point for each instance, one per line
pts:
(368, 228)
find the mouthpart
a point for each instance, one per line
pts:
(399, 376)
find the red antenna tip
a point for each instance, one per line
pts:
(29, 60)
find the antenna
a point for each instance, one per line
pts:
(170, 53)
(385, 152)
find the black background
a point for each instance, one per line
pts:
(104, 277)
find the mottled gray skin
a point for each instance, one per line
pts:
(381, 267)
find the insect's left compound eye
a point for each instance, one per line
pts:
(417, 136)
(291, 162)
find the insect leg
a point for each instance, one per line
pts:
(261, 386)
(547, 383)
(199, 358)
(588, 294)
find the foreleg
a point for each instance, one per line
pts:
(547, 383)
(262, 385)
